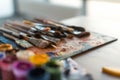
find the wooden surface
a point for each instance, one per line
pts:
(108, 55)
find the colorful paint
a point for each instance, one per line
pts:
(6, 68)
(20, 69)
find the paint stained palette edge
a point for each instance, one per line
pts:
(75, 46)
(95, 40)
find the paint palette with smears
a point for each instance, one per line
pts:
(56, 39)
(74, 46)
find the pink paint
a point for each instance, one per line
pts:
(20, 69)
(6, 68)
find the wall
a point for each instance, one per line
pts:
(115, 1)
(104, 8)
(6, 8)
(34, 8)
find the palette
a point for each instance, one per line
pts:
(72, 47)
(79, 46)
(65, 40)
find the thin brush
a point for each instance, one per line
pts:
(9, 32)
(64, 28)
(50, 22)
(18, 28)
(16, 24)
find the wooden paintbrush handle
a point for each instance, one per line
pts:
(9, 32)
(9, 36)
(58, 24)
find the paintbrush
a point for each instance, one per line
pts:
(19, 42)
(38, 42)
(8, 31)
(67, 27)
(15, 27)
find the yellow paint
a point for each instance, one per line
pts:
(39, 59)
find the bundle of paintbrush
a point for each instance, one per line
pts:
(53, 29)
(41, 33)
(75, 30)
(60, 30)
(24, 41)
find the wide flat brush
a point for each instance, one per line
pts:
(5, 40)
(20, 42)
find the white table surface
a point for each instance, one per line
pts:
(108, 55)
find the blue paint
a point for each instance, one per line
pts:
(6, 40)
(51, 54)
(2, 55)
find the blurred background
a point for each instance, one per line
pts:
(57, 9)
